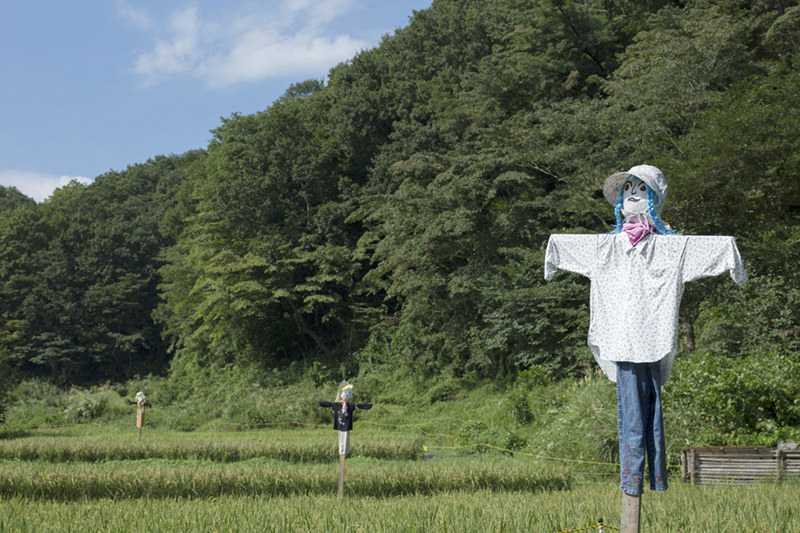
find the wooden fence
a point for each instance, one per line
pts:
(739, 464)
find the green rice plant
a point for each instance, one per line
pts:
(364, 478)
(683, 508)
(297, 446)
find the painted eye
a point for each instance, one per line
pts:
(628, 185)
(642, 187)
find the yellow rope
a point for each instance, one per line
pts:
(516, 452)
(602, 527)
(218, 423)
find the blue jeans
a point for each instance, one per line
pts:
(641, 427)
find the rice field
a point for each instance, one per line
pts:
(276, 481)
(79, 444)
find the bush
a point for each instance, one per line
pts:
(96, 403)
(578, 420)
(528, 382)
(34, 403)
(520, 405)
(444, 390)
(715, 399)
(477, 433)
(514, 442)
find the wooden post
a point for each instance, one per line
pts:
(631, 513)
(684, 467)
(341, 475)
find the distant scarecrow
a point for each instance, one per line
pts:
(637, 274)
(343, 414)
(141, 404)
(343, 422)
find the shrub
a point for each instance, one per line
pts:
(715, 399)
(444, 390)
(520, 405)
(34, 403)
(94, 404)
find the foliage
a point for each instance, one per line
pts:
(390, 222)
(35, 403)
(579, 421)
(94, 405)
(715, 400)
(80, 278)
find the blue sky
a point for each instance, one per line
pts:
(90, 86)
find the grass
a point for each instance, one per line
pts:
(86, 444)
(199, 480)
(762, 508)
(96, 476)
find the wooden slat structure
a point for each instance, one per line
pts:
(739, 464)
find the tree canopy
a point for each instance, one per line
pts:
(394, 215)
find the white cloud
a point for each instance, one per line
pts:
(37, 185)
(324, 11)
(251, 46)
(138, 17)
(178, 55)
(256, 57)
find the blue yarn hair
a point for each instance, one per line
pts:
(618, 212)
(652, 200)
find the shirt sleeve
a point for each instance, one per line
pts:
(574, 253)
(710, 256)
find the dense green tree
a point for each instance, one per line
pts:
(80, 277)
(738, 175)
(264, 271)
(11, 198)
(400, 209)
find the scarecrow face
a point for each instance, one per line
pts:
(347, 394)
(634, 196)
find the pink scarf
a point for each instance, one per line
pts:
(637, 229)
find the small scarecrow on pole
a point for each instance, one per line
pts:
(141, 404)
(637, 274)
(343, 422)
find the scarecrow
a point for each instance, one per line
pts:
(141, 404)
(343, 414)
(343, 421)
(637, 274)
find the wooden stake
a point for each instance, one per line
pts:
(631, 513)
(341, 476)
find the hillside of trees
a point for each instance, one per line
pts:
(390, 221)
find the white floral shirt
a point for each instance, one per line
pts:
(636, 291)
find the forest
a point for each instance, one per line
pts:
(389, 221)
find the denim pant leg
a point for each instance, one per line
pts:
(641, 426)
